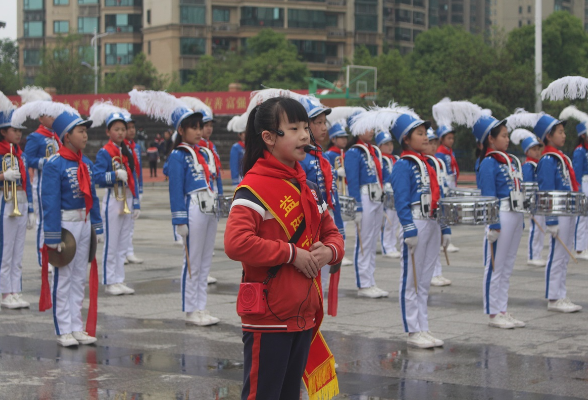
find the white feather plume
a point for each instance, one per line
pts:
(522, 118)
(237, 124)
(573, 112)
(33, 93)
(520, 134)
(448, 113)
(260, 96)
(100, 111)
(159, 105)
(568, 87)
(377, 119)
(35, 109)
(340, 114)
(196, 104)
(5, 103)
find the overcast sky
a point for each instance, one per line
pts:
(8, 15)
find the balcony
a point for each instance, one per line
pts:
(337, 3)
(336, 33)
(334, 61)
(366, 38)
(91, 10)
(225, 27)
(189, 62)
(30, 16)
(193, 31)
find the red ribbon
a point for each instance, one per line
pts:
(335, 149)
(84, 180)
(391, 157)
(131, 146)
(551, 149)
(200, 158)
(93, 308)
(376, 159)
(334, 293)
(531, 159)
(447, 151)
(434, 184)
(241, 143)
(50, 134)
(210, 146)
(500, 158)
(115, 151)
(45, 298)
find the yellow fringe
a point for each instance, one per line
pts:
(323, 383)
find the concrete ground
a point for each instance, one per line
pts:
(145, 350)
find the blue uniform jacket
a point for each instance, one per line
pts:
(358, 172)
(216, 175)
(529, 172)
(550, 176)
(139, 173)
(36, 149)
(184, 178)
(105, 177)
(445, 159)
(477, 169)
(331, 155)
(580, 163)
(312, 166)
(28, 189)
(61, 191)
(494, 181)
(406, 183)
(237, 152)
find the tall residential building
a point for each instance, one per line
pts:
(514, 14)
(404, 20)
(472, 15)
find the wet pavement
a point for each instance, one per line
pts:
(145, 350)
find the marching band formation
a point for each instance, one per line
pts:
(300, 173)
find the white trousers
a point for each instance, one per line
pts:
(497, 282)
(438, 268)
(38, 208)
(365, 261)
(201, 236)
(131, 250)
(557, 263)
(389, 235)
(581, 231)
(535, 244)
(412, 305)
(13, 231)
(117, 232)
(451, 181)
(69, 281)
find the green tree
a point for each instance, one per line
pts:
(62, 68)
(140, 72)
(10, 80)
(215, 73)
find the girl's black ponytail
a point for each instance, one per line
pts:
(254, 144)
(127, 153)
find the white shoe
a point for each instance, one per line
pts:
(563, 305)
(67, 340)
(517, 323)
(84, 338)
(394, 254)
(210, 280)
(383, 292)
(440, 281)
(114, 289)
(437, 342)
(346, 261)
(501, 321)
(419, 340)
(133, 259)
(125, 289)
(201, 318)
(583, 255)
(371, 292)
(537, 262)
(179, 242)
(10, 302)
(452, 249)
(21, 302)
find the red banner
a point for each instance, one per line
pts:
(222, 103)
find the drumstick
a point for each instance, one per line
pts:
(446, 256)
(568, 250)
(416, 288)
(359, 237)
(492, 254)
(187, 258)
(538, 225)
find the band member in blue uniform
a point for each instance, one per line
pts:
(237, 151)
(136, 159)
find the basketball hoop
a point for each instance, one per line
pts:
(368, 95)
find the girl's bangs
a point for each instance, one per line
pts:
(294, 111)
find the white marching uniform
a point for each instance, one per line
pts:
(391, 224)
(536, 237)
(136, 151)
(580, 165)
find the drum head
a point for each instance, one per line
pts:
(68, 250)
(93, 246)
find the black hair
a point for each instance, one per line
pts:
(351, 142)
(494, 133)
(152, 144)
(193, 121)
(545, 142)
(581, 139)
(403, 144)
(128, 154)
(115, 121)
(267, 117)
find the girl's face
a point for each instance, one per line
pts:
(341, 142)
(131, 131)
(387, 148)
(12, 135)
(558, 137)
(77, 138)
(418, 141)
(207, 130)
(535, 152)
(319, 129)
(448, 140)
(500, 142)
(434, 144)
(367, 136)
(46, 121)
(431, 149)
(191, 135)
(288, 148)
(117, 132)
(242, 136)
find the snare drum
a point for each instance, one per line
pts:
(463, 192)
(347, 208)
(224, 206)
(469, 210)
(389, 201)
(559, 203)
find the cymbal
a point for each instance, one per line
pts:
(68, 250)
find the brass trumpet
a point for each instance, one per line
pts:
(10, 187)
(341, 186)
(50, 150)
(116, 161)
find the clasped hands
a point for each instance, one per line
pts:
(309, 262)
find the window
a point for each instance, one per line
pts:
(121, 53)
(60, 26)
(520, 9)
(87, 54)
(528, 22)
(84, 2)
(192, 15)
(123, 3)
(192, 46)
(332, 50)
(32, 56)
(221, 45)
(366, 23)
(403, 15)
(520, 23)
(149, 17)
(87, 24)
(306, 19)
(30, 5)
(262, 16)
(311, 50)
(60, 2)
(123, 22)
(418, 18)
(418, 3)
(149, 47)
(186, 75)
(221, 15)
(403, 34)
(457, 19)
(529, 8)
(403, 2)
(331, 20)
(457, 8)
(33, 29)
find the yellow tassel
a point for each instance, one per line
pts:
(323, 383)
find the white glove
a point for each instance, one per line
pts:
(122, 175)
(100, 238)
(41, 163)
(136, 213)
(411, 242)
(182, 230)
(445, 240)
(140, 196)
(341, 172)
(553, 230)
(31, 221)
(12, 175)
(56, 246)
(358, 217)
(492, 235)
